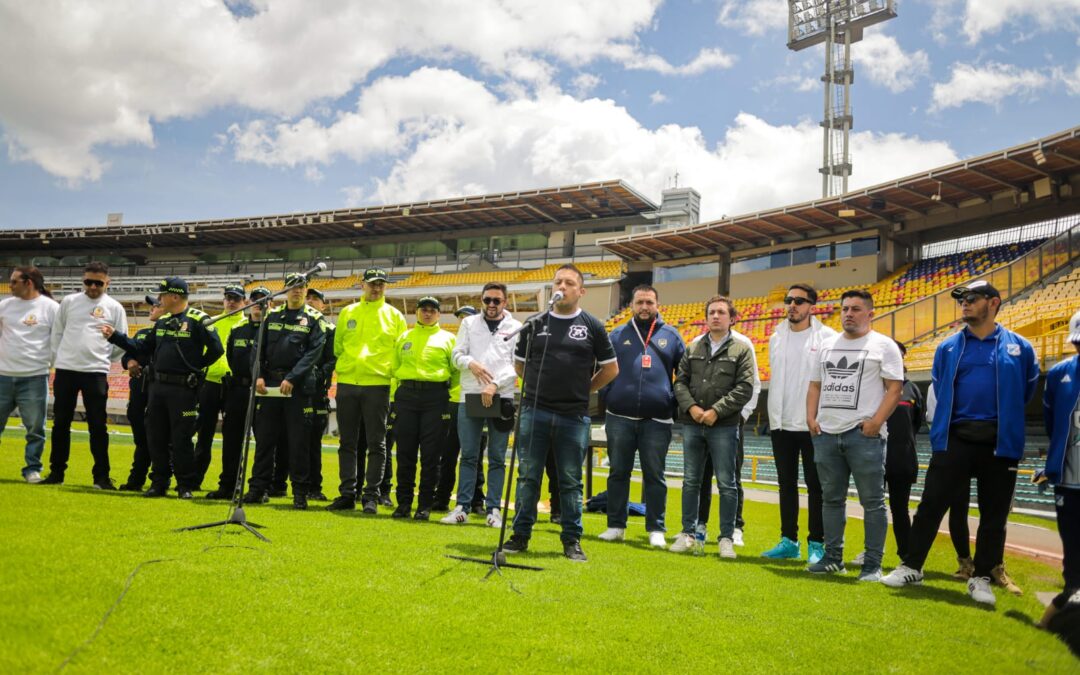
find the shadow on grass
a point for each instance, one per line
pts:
(485, 551)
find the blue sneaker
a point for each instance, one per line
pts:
(815, 551)
(785, 550)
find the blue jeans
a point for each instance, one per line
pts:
(651, 439)
(470, 430)
(839, 457)
(722, 444)
(30, 395)
(567, 436)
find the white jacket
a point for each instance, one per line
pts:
(748, 409)
(819, 332)
(476, 343)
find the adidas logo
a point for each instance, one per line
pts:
(626, 342)
(841, 368)
(1066, 379)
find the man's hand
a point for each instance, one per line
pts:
(696, 412)
(871, 429)
(487, 396)
(134, 369)
(107, 330)
(260, 386)
(286, 388)
(482, 374)
(815, 428)
(709, 417)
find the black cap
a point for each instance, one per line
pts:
(465, 310)
(235, 289)
(295, 279)
(174, 285)
(982, 287)
(428, 301)
(375, 274)
(312, 291)
(152, 300)
(259, 292)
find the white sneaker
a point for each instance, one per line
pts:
(902, 576)
(455, 517)
(872, 577)
(657, 540)
(494, 519)
(683, 542)
(859, 559)
(737, 538)
(33, 477)
(979, 590)
(727, 548)
(613, 534)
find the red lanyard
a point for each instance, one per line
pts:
(648, 338)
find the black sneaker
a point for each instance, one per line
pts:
(572, 550)
(479, 507)
(317, 496)
(516, 544)
(402, 511)
(342, 504)
(299, 502)
(219, 494)
(422, 514)
(371, 507)
(104, 484)
(255, 497)
(440, 507)
(386, 501)
(184, 493)
(53, 479)
(155, 492)
(130, 487)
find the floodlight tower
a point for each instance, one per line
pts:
(838, 24)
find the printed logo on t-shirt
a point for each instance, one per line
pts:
(30, 320)
(578, 333)
(842, 378)
(97, 312)
(1012, 350)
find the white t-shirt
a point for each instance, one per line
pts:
(793, 410)
(25, 329)
(77, 342)
(851, 374)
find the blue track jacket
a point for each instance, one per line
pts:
(645, 393)
(1059, 401)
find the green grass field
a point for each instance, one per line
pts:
(347, 592)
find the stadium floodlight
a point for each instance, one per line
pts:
(837, 24)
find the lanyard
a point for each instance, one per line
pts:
(648, 338)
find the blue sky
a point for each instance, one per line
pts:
(171, 111)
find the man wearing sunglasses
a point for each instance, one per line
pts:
(82, 358)
(792, 348)
(983, 376)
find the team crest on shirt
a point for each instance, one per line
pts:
(97, 312)
(303, 321)
(1012, 350)
(30, 320)
(184, 327)
(662, 342)
(579, 332)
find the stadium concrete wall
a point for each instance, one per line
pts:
(861, 271)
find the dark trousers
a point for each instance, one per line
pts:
(282, 422)
(211, 404)
(233, 433)
(788, 447)
(138, 398)
(899, 489)
(1068, 514)
(705, 495)
(419, 430)
(958, 521)
(94, 387)
(950, 472)
(280, 483)
(361, 415)
(172, 414)
(448, 461)
(319, 421)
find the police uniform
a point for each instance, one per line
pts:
(320, 404)
(294, 343)
(181, 345)
(138, 397)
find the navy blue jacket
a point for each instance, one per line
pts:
(644, 392)
(1059, 401)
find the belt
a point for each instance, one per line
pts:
(276, 374)
(423, 384)
(188, 380)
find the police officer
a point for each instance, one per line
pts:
(294, 342)
(141, 374)
(182, 345)
(320, 401)
(240, 352)
(423, 370)
(212, 394)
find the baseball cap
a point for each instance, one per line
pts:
(152, 300)
(295, 279)
(1074, 328)
(317, 293)
(982, 287)
(259, 292)
(375, 274)
(235, 289)
(428, 301)
(465, 310)
(174, 285)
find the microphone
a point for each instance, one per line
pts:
(318, 268)
(555, 297)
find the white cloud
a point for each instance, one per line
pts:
(989, 16)
(707, 59)
(657, 97)
(988, 84)
(880, 57)
(1071, 80)
(753, 17)
(584, 83)
(447, 134)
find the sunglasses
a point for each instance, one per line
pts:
(93, 282)
(798, 301)
(969, 299)
(492, 301)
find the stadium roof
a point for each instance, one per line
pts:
(556, 208)
(953, 188)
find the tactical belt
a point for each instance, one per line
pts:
(191, 380)
(422, 384)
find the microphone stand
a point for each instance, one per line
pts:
(236, 515)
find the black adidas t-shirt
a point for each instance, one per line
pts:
(576, 347)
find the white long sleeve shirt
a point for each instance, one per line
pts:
(476, 342)
(25, 335)
(77, 343)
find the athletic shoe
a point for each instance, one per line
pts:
(154, 492)
(130, 487)
(104, 484)
(657, 540)
(256, 497)
(422, 514)
(299, 502)
(53, 479)
(683, 542)
(872, 575)
(516, 544)
(815, 551)
(902, 576)
(613, 534)
(317, 496)
(727, 548)
(966, 570)
(859, 560)
(371, 507)
(826, 566)
(32, 477)
(494, 519)
(280, 492)
(980, 591)
(478, 507)
(218, 494)
(1000, 578)
(386, 501)
(455, 517)
(737, 537)
(572, 551)
(785, 550)
(182, 493)
(402, 511)
(342, 503)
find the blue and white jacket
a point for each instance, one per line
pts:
(645, 393)
(1059, 402)
(1017, 375)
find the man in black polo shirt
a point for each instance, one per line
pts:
(570, 357)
